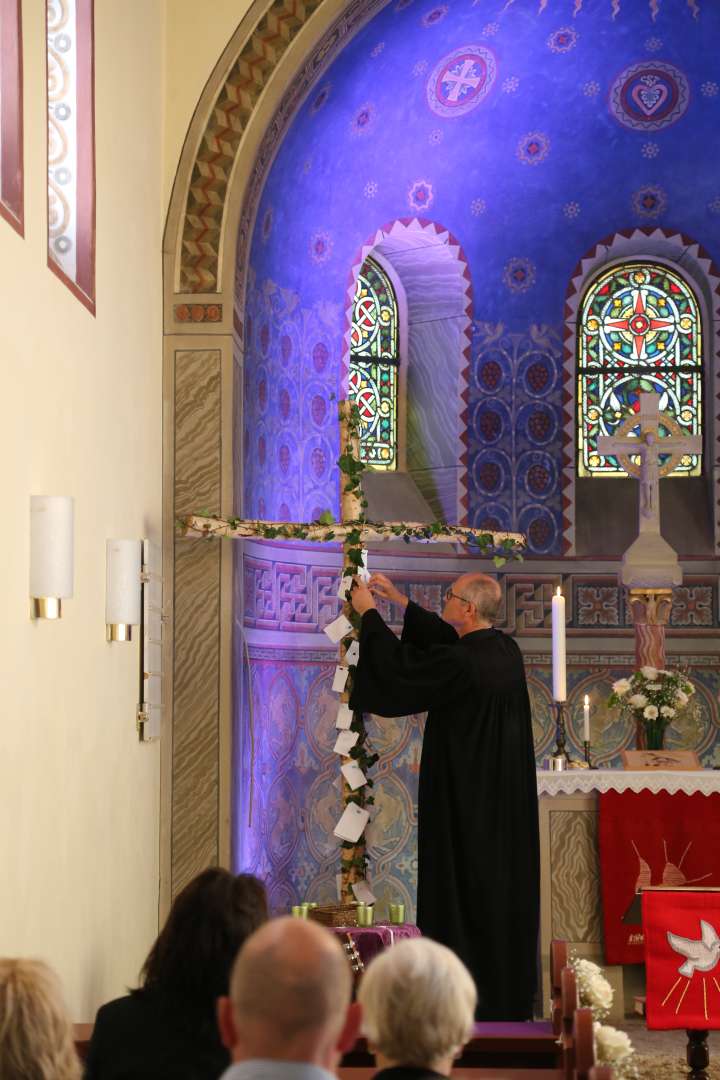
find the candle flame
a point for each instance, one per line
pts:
(587, 699)
(557, 591)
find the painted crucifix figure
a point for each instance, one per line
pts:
(650, 566)
(354, 532)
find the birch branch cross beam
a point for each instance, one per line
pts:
(354, 532)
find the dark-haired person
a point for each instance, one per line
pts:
(167, 1028)
(478, 840)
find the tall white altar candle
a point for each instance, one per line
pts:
(559, 679)
(586, 719)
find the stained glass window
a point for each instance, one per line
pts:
(374, 364)
(639, 331)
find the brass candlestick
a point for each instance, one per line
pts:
(588, 762)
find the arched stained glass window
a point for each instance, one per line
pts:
(374, 365)
(639, 331)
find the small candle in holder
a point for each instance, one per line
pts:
(397, 914)
(586, 719)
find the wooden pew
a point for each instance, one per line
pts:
(583, 1043)
(568, 1007)
(558, 960)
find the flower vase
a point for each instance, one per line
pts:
(655, 734)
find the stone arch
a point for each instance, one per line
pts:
(687, 257)
(433, 271)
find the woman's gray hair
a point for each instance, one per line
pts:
(418, 1003)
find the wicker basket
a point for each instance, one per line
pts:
(335, 914)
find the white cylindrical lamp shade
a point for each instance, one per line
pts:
(51, 553)
(122, 588)
(559, 673)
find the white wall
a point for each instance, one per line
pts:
(81, 415)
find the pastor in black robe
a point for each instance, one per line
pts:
(478, 841)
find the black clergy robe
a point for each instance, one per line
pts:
(478, 841)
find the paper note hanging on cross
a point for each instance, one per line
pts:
(343, 720)
(338, 629)
(354, 775)
(344, 587)
(363, 571)
(345, 742)
(352, 654)
(340, 679)
(363, 892)
(351, 824)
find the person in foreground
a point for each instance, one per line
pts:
(289, 1015)
(36, 1039)
(418, 1001)
(478, 840)
(167, 1028)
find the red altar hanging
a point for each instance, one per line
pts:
(682, 956)
(648, 838)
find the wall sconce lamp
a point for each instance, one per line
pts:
(51, 554)
(122, 588)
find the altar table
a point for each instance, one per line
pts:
(371, 940)
(570, 907)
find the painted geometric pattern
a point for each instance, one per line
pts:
(289, 417)
(639, 331)
(514, 431)
(290, 799)
(63, 94)
(299, 598)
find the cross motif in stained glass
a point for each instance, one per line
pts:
(639, 331)
(374, 361)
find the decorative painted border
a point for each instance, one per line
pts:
(682, 252)
(399, 228)
(11, 115)
(81, 112)
(198, 313)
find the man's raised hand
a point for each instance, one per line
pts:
(383, 586)
(360, 597)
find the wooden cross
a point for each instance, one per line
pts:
(354, 532)
(649, 446)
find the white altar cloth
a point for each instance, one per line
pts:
(586, 781)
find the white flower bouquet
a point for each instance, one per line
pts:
(594, 991)
(614, 1048)
(652, 696)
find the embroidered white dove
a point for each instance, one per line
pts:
(701, 955)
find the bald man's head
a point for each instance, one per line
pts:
(290, 986)
(482, 591)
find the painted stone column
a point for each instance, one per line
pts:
(650, 610)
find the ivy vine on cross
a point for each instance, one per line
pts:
(354, 531)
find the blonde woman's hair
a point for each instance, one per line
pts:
(418, 1003)
(36, 1041)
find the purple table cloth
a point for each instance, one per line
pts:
(371, 940)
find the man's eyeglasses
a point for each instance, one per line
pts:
(449, 595)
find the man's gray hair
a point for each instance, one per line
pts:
(484, 592)
(418, 1003)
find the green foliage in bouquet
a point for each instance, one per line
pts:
(653, 696)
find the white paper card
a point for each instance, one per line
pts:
(345, 742)
(338, 629)
(354, 775)
(343, 720)
(353, 653)
(344, 587)
(341, 677)
(363, 572)
(363, 892)
(351, 824)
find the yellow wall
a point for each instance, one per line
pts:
(196, 35)
(81, 404)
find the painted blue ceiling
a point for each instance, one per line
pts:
(532, 175)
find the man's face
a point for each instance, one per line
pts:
(456, 608)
